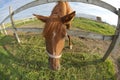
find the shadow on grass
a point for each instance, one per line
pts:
(7, 63)
(31, 64)
(11, 64)
(37, 65)
(6, 40)
(3, 75)
(20, 65)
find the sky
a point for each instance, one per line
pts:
(46, 9)
(3, 2)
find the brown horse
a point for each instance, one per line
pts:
(55, 31)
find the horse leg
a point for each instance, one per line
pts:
(70, 43)
(68, 25)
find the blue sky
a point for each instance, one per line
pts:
(3, 2)
(45, 9)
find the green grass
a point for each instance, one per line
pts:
(80, 23)
(94, 26)
(31, 22)
(29, 61)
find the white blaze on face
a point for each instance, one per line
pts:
(65, 34)
(53, 55)
(54, 34)
(53, 40)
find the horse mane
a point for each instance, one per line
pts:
(62, 8)
(59, 9)
(54, 24)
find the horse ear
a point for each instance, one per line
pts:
(42, 18)
(68, 17)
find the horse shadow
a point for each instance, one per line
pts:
(6, 65)
(31, 64)
(8, 60)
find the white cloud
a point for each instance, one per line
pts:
(115, 3)
(4, 11)
(106, 15)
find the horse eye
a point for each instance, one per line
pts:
(64, 35)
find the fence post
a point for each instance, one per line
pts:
(1, 30)
(13, 25)
(115, 41)
(4, 30)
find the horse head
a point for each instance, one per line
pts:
(55, 33)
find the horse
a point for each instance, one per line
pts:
(54, 31)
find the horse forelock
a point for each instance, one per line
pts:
(55, 26)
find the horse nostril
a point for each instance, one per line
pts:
(57, 68)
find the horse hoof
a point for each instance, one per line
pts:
(71, 46)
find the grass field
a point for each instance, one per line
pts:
(93, 26)
(29, 61)
(79, 23)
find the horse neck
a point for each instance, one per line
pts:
(59, 9)
(62, 8)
